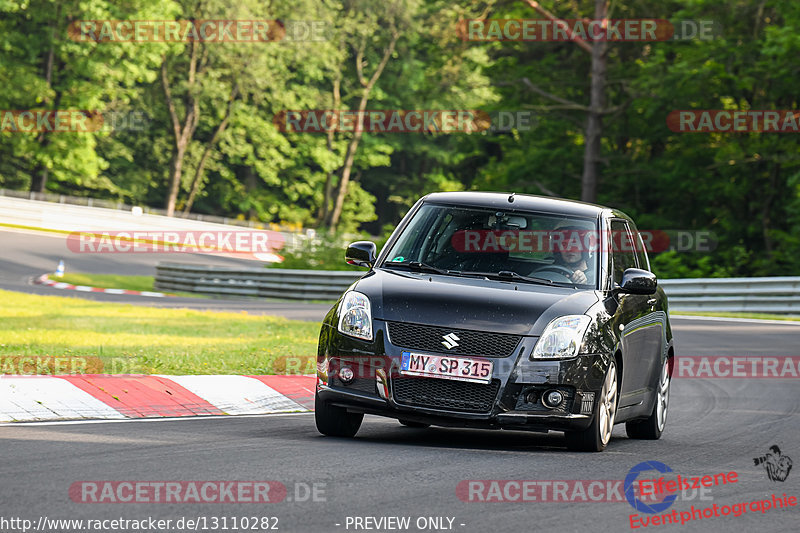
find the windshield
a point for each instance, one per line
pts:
(498, 244)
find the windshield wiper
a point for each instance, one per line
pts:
(417, 265)
(511, 276)
(425, 267)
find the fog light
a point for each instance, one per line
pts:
(530, 397)
(346, 374)
(553, 398)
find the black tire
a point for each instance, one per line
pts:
(596, 437)
(335, 421)
(652, 427)
(410, 424)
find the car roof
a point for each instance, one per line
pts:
(522, 202)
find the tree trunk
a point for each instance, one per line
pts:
(198, 175)
(344, 182)
(176, 169)
(324, 208)
(346, 170)
(39, 179)
(250, 185)
(766, 209)
(41, 173)
(182, 133)
(594, 123)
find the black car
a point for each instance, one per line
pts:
(501, 311)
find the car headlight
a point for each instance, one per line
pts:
(355, 316)
(562, 337)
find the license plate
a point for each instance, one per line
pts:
(446, 367)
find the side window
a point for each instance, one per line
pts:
(624, 246)
(641, 251)
(640, 246)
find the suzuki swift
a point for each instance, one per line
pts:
(501, 311)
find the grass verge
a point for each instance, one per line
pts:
(54, 334)
(108, 281)
(116, 281)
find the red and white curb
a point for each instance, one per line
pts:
(44, 279)
(104, 396)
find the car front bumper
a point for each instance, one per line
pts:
(517, 404)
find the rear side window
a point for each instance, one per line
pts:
(623, 248)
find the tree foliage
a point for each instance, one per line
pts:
(209, 142)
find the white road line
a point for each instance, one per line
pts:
(166, 419)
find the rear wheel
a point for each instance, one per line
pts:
(596, 437)
(335, 421)
(651, 427)
(410, 424)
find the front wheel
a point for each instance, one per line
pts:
(335, 421)
(596, 437)
(651, 427)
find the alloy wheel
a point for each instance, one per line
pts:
(608, 404)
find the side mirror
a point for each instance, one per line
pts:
(638, 281)
(361, 253)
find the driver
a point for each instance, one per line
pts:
(571, 256)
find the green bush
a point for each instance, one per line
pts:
(326, 252)
(675, 265)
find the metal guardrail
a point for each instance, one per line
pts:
(755, 295)
(752, 295)
(254, 282)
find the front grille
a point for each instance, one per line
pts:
(446, 394)
(430, 338)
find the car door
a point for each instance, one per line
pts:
(640, 329)
(655, 317)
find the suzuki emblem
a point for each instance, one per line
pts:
(450, 340)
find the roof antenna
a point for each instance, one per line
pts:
(511, 198)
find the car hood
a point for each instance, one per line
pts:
(469, 303)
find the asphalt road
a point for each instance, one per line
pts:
(714, 426)
(25, 255)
